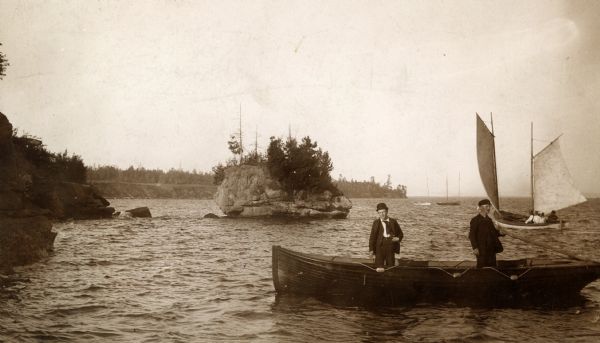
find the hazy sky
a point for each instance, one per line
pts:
(387, 87)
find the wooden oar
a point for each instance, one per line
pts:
(546, 246)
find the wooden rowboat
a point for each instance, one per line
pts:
(355, 280)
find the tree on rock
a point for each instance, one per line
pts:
(235, 146)
(301, 166)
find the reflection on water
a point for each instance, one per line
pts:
(179, 277)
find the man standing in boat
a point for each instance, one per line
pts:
(385, 238)
(484, 236)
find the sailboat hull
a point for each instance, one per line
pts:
(506, 224)
(448, 203)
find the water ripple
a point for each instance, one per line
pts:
(180, 278)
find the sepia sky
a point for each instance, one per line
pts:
(386, 87)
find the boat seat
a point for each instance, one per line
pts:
(524, 262)
(411, 263)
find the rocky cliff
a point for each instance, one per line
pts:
(249, 191)
(30, 198)
(25, 231)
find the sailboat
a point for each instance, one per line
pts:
(551, 184)
(448, 202)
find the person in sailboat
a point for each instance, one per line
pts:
(552, 217)
(484, 236)
(543, 218)
(385, 238)
(534, 218)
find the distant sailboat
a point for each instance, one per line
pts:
(551, 184)
(448, 202)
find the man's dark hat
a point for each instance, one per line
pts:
(484, 202)
(381, 206)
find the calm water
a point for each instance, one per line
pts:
(180, 278)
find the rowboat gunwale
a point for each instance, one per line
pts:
(425, 264)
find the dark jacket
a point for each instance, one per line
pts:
(484, 236)
(376, 237)
(552, 218)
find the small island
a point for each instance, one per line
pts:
(292, 180)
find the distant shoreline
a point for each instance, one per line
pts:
(133, 190)
(129, 190)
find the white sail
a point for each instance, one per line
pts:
(553, 187)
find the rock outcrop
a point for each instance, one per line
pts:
(30, 199)
(25, 230)
(73, 200)
(140, 212)
(249, 191)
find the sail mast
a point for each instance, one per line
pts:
(494, 159)
(241, 145)
(446, 187)
(459, 185)
(256, 142)
(531, 170)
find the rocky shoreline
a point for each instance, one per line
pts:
(30, 199)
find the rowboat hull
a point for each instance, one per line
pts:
(352, 280)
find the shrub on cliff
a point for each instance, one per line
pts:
(61, 166)
(70, 168)
(301, 166)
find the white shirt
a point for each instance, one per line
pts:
(384, 223)
(535, 219)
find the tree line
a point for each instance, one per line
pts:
(370, 189)
(143, 175)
